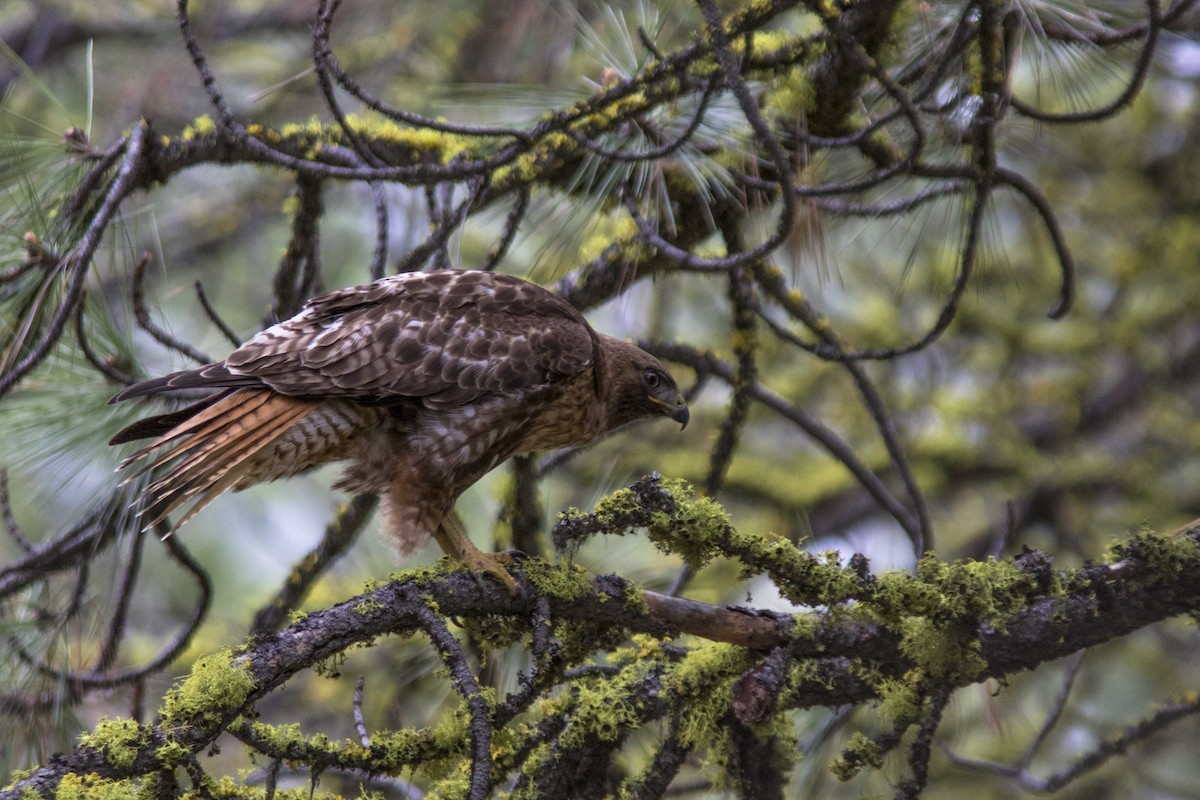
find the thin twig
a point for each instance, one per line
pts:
(360, 724)
(214, 317)
(145, 321)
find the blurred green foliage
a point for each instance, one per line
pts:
(1021, 430)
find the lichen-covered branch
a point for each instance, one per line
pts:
(903, 638)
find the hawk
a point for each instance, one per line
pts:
(421, 383)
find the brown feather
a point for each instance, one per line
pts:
(421, 382)
(163, 423)
(217, 451)
(219, 415)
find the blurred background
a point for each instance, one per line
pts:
(1059, 435)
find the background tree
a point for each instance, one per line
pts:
(843, 224)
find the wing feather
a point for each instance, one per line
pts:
(446, 337)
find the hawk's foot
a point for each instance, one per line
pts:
(455, 543)
(494, 564)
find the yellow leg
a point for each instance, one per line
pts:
(452, 537)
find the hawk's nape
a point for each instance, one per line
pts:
(421, 383)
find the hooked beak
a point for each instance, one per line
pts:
(680, 414)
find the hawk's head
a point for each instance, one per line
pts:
(637, 386)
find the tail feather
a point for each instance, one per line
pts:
(212, 450)
(153, 427)
(200, 429)
(204, 472)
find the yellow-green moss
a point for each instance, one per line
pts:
(217, 686)
(791, 95)
(119, 739)
(565, 581)
(693, 529)
(601, 713)
(899, 701)
(947, 653)
(368, 605)
(860, 752)
(93, 787)
(702, 683)
(701, 686)
(201, 126)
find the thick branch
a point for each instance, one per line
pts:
(1156, 579)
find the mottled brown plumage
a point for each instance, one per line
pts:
(421, 382)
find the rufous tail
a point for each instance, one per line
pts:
(212, 451)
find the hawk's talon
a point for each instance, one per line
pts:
(453, 539)
(479, 563)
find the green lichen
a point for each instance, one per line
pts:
(391, 751)
(423, 576)
(946, 653)
(702, 680)
(227, 788)
(312, 135)
(791, 96)
(899, 701)
(565, 582)
(578, 640)
(201, 126)
(93, 787)
(16, 776)
(619, 239)
(612, 114)
(368, 605)
(546, 156)
(693, 529)
(698, 529)
(219, 685)
(172, 753)
(119, 739)
(860, 752)
(602, 713)
(1162, 555)
(455, 786)
(991, 591)
(702, 685)
(330, 667)
(446, 146)
(938, 612)
(495, 630)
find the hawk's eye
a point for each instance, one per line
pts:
(652, 378)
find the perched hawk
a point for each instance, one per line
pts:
(421, 382)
